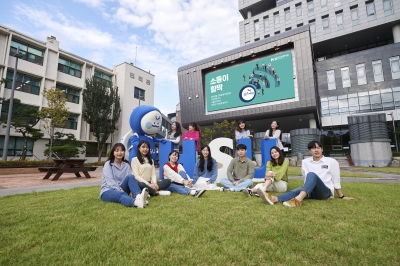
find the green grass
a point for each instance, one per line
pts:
(296, 171)
(393, 170)
(74, 227)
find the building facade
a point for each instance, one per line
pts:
(45, 65)
(345, 62)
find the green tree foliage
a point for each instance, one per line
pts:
(225, 129)
(24, 119)
(101, 110)
(3, 81)
(66, 145)
(54, 115)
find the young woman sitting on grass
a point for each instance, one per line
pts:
(118, 184)
(143, 170)
(276, 177)
(177, 174)
(205, 167)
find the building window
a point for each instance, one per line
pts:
(310, 7)
(71, 94)
(343, 105)
(325, 24)
(331, 79)
(72, 122)
(256, 39)
(396, 96)
(333, 106)
(139, 94)
(375, 100)
(339, 20)
(29, 53)
(247, 31)
(288, 29)
(338, 3)
(256, 27)
(361, 77)
(387, 7)
(299, 25)
(312, 28)
(363, 101)
(16, 145)
(387, 99)
(378, 73)
(91, 150)
(16, 107)
(69, 67)
(325, 106)
(353, 103)
(287, 15)
(23, 83)
(370, 10)
(277, 32)
(354, 15)
(324, 5)
(266, 24)
(276, 19)
(345, 77)
(100, 76)
(395, 67)
(299, 11)
(266, 36)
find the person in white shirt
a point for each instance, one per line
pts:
(322, 177)
(274, 132)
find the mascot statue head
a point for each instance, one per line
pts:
(145, 120)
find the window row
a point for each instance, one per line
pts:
(139, 94)
(71, 94)
(361, 73)
(16, 145)
(28, 52)
(362, 102)
(370, 12)
(100, 76)
(69, 67)
(23, 83)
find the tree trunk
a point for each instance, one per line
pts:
(51, 142)
(100, 150)
(24, 149)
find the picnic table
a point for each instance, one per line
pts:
(67, 166)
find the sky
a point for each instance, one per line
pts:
(168, 34)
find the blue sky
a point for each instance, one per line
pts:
(167, 33)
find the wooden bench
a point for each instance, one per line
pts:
(67, 166)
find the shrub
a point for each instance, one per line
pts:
(25, 163)
(396, 154)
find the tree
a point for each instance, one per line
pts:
(101, 110)
(224, 129)
(4, 81)
(54, 115)
(24, 119)
(66, 145)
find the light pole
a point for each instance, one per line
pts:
(141, 98)
(10, 108)
(394, 130)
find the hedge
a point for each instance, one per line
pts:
(31, 163)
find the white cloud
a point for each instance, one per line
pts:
(92, 3)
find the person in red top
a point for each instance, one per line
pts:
(193, 134)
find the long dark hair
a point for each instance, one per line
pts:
(111, 157)
(178, 130)
(196, 127)
(277, 127)
(281, 158)
(148, 155)
(210, 162)
(238, 127)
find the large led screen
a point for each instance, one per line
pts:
(262, 80)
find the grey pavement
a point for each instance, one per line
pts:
(388, 178)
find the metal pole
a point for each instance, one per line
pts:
(394, 135)
(10, 108)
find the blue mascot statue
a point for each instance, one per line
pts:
(145, 122)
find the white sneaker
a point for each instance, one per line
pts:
(164, 193)
(140, 200)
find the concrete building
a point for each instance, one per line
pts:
(44, 64)
(345, 61)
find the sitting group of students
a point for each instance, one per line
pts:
(132, 184)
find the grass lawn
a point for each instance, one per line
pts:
(74, 227)
(393, 170)
(296, 171)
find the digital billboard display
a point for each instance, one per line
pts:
(262, 80)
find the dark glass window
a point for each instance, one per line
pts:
(103, 77)
(15, 146)
(71, 94)
(72, 122)
(29, 52)
(69, 67)
(23, 83)
(139, 94)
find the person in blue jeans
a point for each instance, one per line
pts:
(322, 178)
(118, 184)
(240, 172)
(180, 182)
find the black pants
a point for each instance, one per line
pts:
(162, 185)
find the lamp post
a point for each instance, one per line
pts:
(10, 108)
(141, 98)
(394, 130)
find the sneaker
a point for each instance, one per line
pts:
(199, 193)
(292, 203)
(248, 192)
(266, 197)
(147, 202)
(225, 189)
(164, 193)
(140, 199)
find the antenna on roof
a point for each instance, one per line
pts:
(135, 55)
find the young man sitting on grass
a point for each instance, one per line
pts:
(240, 172)
(322, 177)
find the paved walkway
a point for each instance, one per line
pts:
(33, 182)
